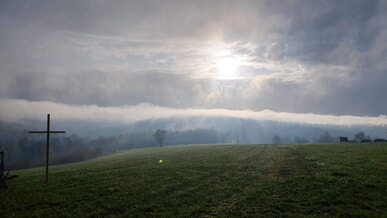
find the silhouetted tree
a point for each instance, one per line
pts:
(277, 139)
(160, 136)
(300, 140)
(361, 136)
(326, 137)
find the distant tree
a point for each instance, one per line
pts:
(160, 136)
(326, 138)
(244, 138)
(237, 137)
(300, 140)
(277, 139)
(361, 136)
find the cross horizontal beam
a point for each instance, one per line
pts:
(47, 132)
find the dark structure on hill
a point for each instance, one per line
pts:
(343, 139)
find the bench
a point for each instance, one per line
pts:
(3, 176)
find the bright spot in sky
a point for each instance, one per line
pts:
(227, 67)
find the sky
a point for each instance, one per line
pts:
(297, 60)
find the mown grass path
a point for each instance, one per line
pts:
(209, 181)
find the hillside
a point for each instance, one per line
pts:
(85, 140)
(209, 181)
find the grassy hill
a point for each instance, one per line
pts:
(209, 181)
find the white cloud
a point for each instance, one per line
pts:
(14, 110)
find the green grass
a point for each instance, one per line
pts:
(337, 180)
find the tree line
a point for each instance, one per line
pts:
(23, 150)
(29, 151)
(326, 137)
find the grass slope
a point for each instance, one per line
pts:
(209, 181)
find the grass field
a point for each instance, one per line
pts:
(209, 181)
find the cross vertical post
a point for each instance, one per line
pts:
(47, 146)
(47, 143)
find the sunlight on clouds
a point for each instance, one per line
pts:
(320, 57)
(222, 61)
(227, 67)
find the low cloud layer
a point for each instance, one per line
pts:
(296, 57)
(17, 110)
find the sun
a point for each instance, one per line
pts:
(227, 67)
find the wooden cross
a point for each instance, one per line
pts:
(47, 142)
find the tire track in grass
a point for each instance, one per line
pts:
(282, 162)
(291, 162)
(266, 156)
(279, 194)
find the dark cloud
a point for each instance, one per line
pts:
(317, 29)
(107, 89)
(322, 94)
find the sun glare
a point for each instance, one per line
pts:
(227, 67)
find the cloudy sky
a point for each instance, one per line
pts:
(95, 59)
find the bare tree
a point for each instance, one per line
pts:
(277, 139)
(361, 136)
(160, 136)
(326, 138)
(300, 140)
